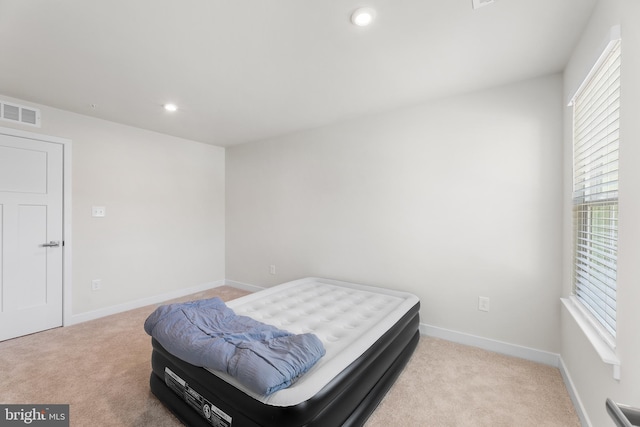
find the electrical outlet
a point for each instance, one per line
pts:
(98, 211)
(479, 3)
(483, 303)
(272, 269)
(96, 285)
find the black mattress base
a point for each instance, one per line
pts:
(190, 417)
(348, 399)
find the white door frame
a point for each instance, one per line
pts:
(66, 212)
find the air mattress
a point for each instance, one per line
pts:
(369, 334)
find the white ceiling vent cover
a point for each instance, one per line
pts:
(19, 114)
(479, 3)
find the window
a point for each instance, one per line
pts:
(596, 123)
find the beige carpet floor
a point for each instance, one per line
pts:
(101, 368)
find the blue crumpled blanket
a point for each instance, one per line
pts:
(209, 334)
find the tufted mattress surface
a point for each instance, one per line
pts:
(348, 319)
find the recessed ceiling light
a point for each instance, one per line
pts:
(171, 107)
(363, 16)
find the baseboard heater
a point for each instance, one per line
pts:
(623, 415)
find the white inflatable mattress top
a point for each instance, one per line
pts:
(348, 318)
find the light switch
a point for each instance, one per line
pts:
(98, 211)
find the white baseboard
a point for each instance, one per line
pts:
(243, 286)
(573, 394)
(115, 309)
(526, 353)
(539, 356)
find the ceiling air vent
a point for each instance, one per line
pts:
(19, 114)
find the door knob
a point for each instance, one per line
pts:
(51, 244)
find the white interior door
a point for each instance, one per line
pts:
(31, 221)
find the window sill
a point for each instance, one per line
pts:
(602, 347)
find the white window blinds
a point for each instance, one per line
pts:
(595, 188)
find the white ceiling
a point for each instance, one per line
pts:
(247, 70)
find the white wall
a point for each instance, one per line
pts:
(164, 198)
(451, 200)
(592, 378)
